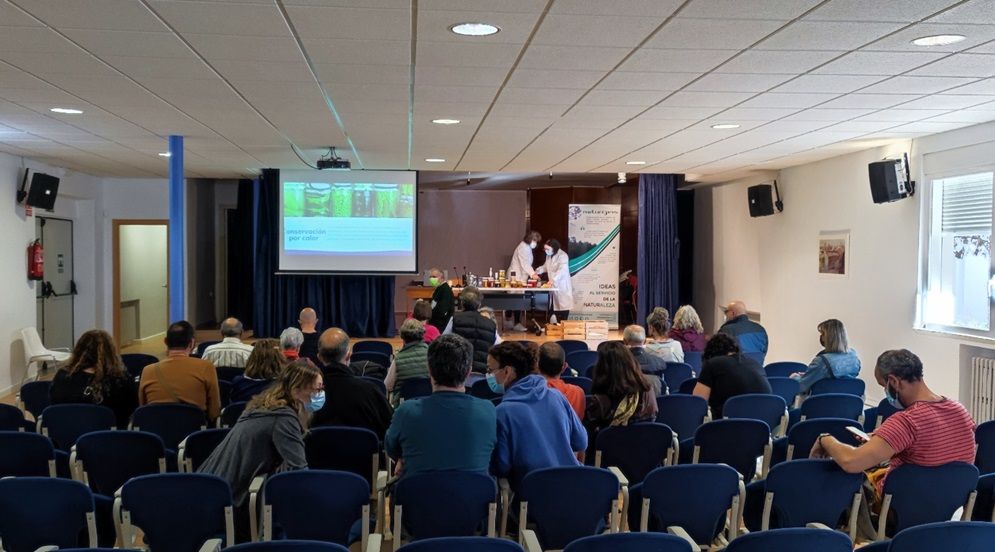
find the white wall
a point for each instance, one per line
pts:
(143, 273)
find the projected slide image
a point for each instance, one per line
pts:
(347, 200)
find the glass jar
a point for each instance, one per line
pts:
(342, 200)
(362, 200)
(293, 199)
(385, 200)
(316, 200)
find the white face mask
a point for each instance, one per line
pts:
(548, 250)
(533, 245)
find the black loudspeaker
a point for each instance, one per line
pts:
(890, 180)
(761, 201)
(43, 190)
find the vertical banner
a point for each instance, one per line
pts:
(593, 250)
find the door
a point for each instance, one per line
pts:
(54, 294)
(141, 287)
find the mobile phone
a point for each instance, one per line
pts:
(863, 437)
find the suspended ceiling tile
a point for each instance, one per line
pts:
(824, 35)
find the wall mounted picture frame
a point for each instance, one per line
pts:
(834, 254)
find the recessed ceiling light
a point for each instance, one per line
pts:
(446, 121)
(938, 40)
(165, 154)
(635, 162)
(474, 29)
(435, 160)
(66, 110)
(725, 126)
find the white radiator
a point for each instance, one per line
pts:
(982, 389)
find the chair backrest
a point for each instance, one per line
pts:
(677, 373)
(171, 421)
(833, 405)
(44, 511)
(846, 386)
(568, 503)
(301, 504)
(757, 357)
(177, 512)
(687, 386)
(572, 345)
(34, 395)
(24, 454)
(582, 361)
(885, 410)
(693, 359)
(134, 363)
(202, 346)
(110, 458)
(228, 373)
(792, 540)
(198, 446)
(32, 342)
(736, 443)
(810, 491)
(381, 347)
(231, 413)
(12, 419)
(984, 504)
(921, 495)
(984, 458)
(769, 409)
(415, 388)
(802, 436)
(482, 390)
(352, 449)
(962, 536)
(630, 542)
(579, 381)
(785, 387)
(64, 423)
(468, 498)
(377, 382)
(463, 544)
(288, 546)
(635, 449)
(370, 356)
(784, 369)
(694, 497)
(682, 413)
(224, 390)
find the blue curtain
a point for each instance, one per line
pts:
(658, 246)
(363, 306)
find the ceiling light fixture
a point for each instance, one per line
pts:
(446, 121)
(725, 126)
(474, 29)
(66, 110)
(635, 162)
(938, 40)
(435, 160)
(165, 154)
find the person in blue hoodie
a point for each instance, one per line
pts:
(536, 427)
(752, 337)
(835, 360)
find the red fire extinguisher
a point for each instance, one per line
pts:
(36, 261)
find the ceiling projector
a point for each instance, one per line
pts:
(334, 164)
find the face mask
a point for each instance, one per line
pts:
(548, 250)
(892, 398)
(492, 382)
(433, 281)
(317, 401)
(533, 245)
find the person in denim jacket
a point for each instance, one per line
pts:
(835, 360)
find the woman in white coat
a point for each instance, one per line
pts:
(557, 266)
(521, 267)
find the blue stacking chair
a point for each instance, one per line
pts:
(693, 359)
(811, 491)
(352, 449)
(288, 546)
(482, 390)
(677, 373)
(784, 369)
(230, 414)
(202, 346)
(984, 458)
(64, 423)
(846, 386)
(463, 544)
(582, 361)
(693, 498)
(568, 503)
(224, 392)
(134, 363)
(962, 536)
(107, 459)
(792, 540)
(984, 504)
(418, 512)
(756, 357)
(25, 454)
(769, 409)
(683, 414)
(884, 411)
(630, 542)
(34, 397)
(228, 373)
(572, 345)
(801, 438)
(833, 405)
(917, 495)
(382, 347)
(320, 505)
(636, 449)
(370, 356)
(170, 421)
(376, 382)
(176, 512)
(786, 388)
(415, 388)
(12, 419)
(195, 449)
(45, 511)
(582, 382)
(687, 386)
(736, 443)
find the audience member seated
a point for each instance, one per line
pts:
(550, 364)
(443, 303)
(752, 337)
(95, 374)
(489, 314)
(352, 401)
(291, 340)
(536, 426)
(448, 430)
(835, 360)
(180, 378)
(410, 362)
(422, 312)
(621, 393)
(661, 344)
(308, 321)
(687, 329)
(263, 368)
(653, 366)
(726, 372)
(268, 437)
(231, 352)
(476, 328)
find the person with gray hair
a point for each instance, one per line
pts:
(410, 362)
(476, 328)
(836, 359)
(291, 340)
(230, 352)
(634, 337)
(661, 344)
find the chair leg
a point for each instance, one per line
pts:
(397, 528)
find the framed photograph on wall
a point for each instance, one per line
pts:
(834, 254)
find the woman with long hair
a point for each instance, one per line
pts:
(687, 329)
(269, 436)
(95, 374)
(660, 342)
(264, 366)
(726, 372)
(835, 360)
(620, 392)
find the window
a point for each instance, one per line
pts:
(958, 261)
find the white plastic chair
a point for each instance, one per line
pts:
(35, 351)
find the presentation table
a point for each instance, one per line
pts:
(499, 299)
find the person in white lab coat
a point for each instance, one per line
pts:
(557, 266)
(521, 267)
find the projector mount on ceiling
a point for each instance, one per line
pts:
(331, 160)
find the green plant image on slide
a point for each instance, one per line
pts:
(348, 200)
(293, 199)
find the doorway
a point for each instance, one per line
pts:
(141, 283)
(54, 294)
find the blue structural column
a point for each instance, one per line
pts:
(177, 231)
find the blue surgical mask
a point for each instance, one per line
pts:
(492, 382)
(532, 244)
(548, 250)
(317, 401)
(892, 398)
